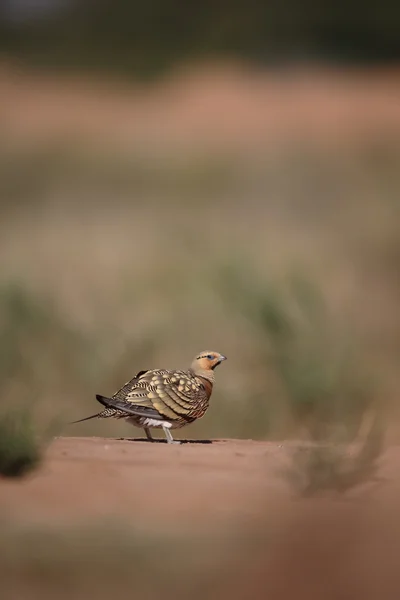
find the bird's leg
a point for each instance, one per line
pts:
(148, 434)
(168, 435)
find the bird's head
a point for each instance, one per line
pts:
(207, 361)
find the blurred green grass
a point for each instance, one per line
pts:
(286, 261)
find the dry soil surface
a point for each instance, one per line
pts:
(214, 107)
(195, 483)
(145, 482)
(331, 545)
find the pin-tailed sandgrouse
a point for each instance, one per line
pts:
(164, 399)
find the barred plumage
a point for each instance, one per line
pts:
(164, 399)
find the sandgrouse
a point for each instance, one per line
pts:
(164, 399)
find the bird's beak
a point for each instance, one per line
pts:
(222, 357)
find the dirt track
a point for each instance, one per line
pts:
(334, 545)
(160, 485)
(92, 477)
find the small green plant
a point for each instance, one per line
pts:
(20, 448)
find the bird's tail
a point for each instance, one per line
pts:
(104, 413)
(103, 400)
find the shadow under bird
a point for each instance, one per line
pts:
(162, 398)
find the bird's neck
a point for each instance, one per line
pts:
(207, 378)
(207, 374)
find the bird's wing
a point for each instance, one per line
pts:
(162, 394)
(136, 388)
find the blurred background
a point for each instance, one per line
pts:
(178, 177)
(175, 178)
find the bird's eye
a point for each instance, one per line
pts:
(210, 357)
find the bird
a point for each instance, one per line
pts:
(163, 399)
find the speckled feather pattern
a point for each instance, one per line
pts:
(178, 396)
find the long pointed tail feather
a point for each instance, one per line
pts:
(85, 419)
(103, 401)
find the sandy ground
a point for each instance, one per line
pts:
(193, 484)
(147, 483)
(331, 545)
(209, 108)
